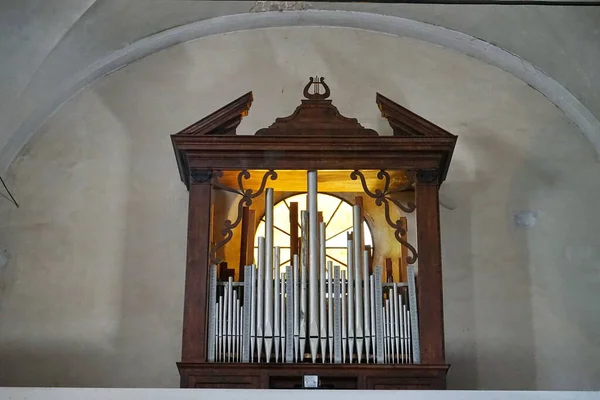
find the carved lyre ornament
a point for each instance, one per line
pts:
(316, 83)
(316, 116)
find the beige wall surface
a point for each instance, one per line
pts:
(92, 292)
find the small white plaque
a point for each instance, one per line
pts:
(311, 381)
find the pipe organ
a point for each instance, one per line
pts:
(296, 314)
(276, 312)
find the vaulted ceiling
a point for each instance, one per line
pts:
(50, 50)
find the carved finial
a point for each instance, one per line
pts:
(316, 95)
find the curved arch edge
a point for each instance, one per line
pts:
(397, 26)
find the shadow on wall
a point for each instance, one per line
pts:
(488, 315)
(556, 228)
(147, 316)
(459, 292)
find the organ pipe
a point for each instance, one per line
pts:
(347, 312)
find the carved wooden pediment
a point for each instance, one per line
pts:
(316, 116)
(314, 136)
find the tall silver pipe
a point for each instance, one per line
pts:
(291, 300)
(337, 316)
(253, 314)
(344, 318)
(366, 302)
(379, 321)
(229, 318)
(282, 319)
(414, 316)
(372, 306)
(402, 319)
(240, 342)
(322, 292)
(396, 323)
(296, 312)
(303, 283)
(260, 298)
(388, 315)
(247, 315)
(351, 302)
(212, 314)
(268, 331)
(234, 326)
(358, 289)
(410, 352)
(330, 302)
(219, 329)
(277, 304)
(313, 253)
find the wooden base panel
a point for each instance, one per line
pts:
(347, 376)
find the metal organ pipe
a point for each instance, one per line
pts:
(350, 263)
(330, 301)
(303, 283)
(260, 297)
(277, 302)
(358, 289)
(313, 265)
(322, 291)
(268, 330)
(347, 314)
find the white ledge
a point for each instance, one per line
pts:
(229, 394)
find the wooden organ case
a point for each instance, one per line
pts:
(351, 316)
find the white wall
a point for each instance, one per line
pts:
(92, 293)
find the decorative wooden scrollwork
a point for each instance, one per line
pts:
(382, 197)
(246, 201)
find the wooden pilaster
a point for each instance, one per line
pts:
(429, 282)
(195, 309)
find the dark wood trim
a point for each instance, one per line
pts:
(429, 283)
(289, 376)
(294, 241)
(402, 264)
(247, 240)
(196, 273)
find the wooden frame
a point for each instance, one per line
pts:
(315, 136)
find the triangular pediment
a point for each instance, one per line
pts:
(224, 121)
(406, 123)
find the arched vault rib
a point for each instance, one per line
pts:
(460, 42)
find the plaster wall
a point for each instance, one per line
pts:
(92, 293)
(50, 50)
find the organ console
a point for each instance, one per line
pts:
(256, 319)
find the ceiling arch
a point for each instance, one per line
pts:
(397, 26)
